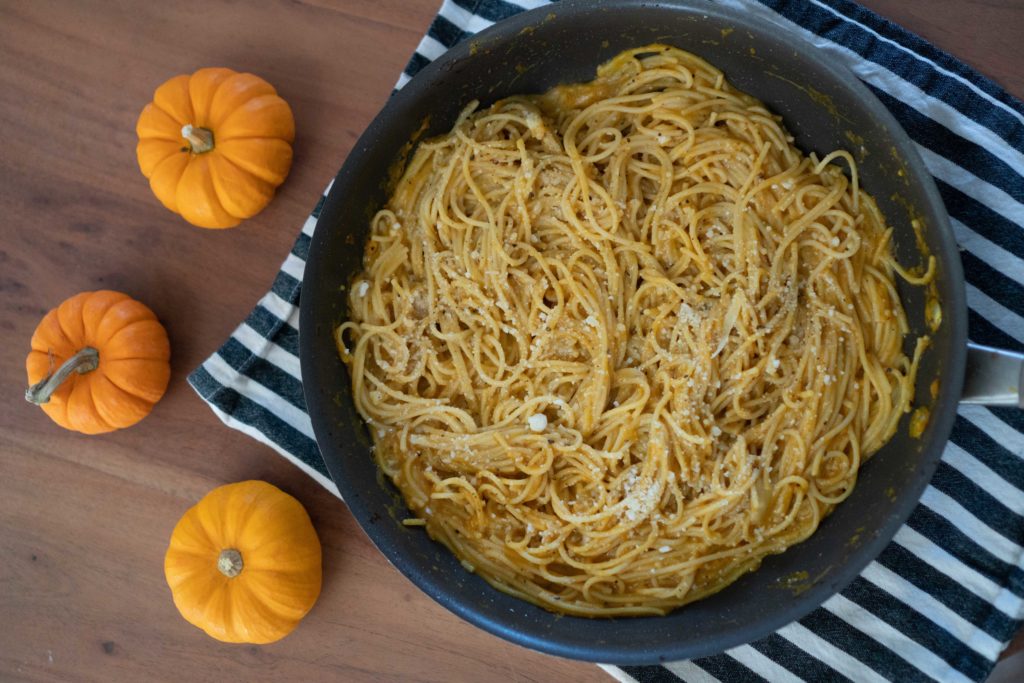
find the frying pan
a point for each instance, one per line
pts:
(825, 108)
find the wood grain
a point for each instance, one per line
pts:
(84, 522)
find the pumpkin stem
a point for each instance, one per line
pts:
(199, 139)
(86, 360)
(229, 562)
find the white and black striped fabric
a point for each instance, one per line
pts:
(947, 594)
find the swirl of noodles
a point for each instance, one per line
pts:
(619, 342)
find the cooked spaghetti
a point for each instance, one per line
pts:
(618, 342)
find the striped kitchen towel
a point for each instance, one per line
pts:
(947, 594)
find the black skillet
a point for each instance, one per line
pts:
(825, 108)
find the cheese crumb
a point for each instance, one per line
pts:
(716, 431)
(362, 288)
(664, 549)
(538, 422)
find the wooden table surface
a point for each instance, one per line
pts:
(84, 521)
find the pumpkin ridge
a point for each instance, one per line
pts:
(202, 116)
(102, 409)
(73, 310)
(151, 152)
(228, 160)
(164, 162)
(96, 405)
(113, 339)
(272, 511)
(266, 108)
(213, 529)
(49, 328)
(249, 85)
(249, 154)
(282, 608)
(74, 341)
(162, 137)
(224, 197)
(197, 198)
(242, 605)
(155, 129)
(220, 602)
(187, 578)
(189, 552)
(274, 577)
(87, 388)
(116, 309)
(165, 189)
(191, 538)
(95, 310)
(110, 378)
(172, 117)
(267, 627)
(280, 515)
(264, 504)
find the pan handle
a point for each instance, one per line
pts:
(994, 377)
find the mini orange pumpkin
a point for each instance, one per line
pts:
(215, 145)
(99, 362)
(244, 563)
